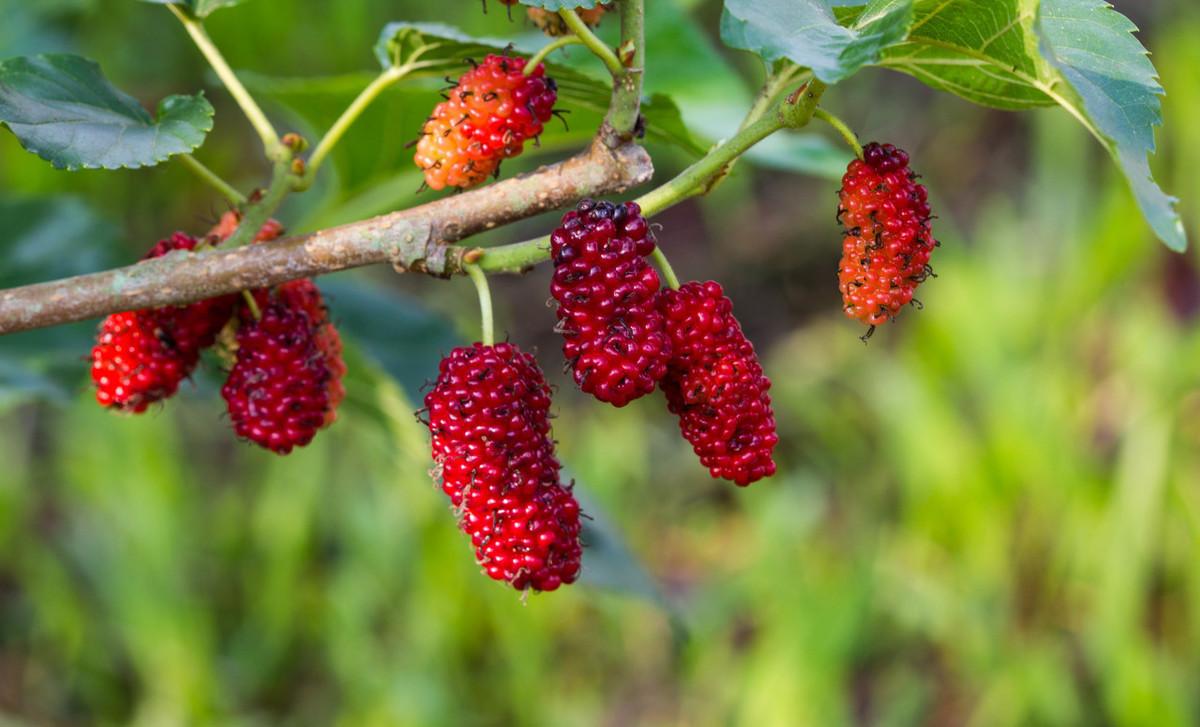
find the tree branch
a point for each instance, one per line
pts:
(416, 239)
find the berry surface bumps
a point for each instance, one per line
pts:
(613, 334)
(887, 238)
(716, 386)
(486, 118)
(489, 416)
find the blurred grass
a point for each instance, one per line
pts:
(988, 516)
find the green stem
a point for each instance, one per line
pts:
(541, 55)
(664, 265)
(625, 106)
(252, 304)
(349, 116)
(841, 128)
(258, 213)
(485, 302)
(772, 87)
(247, 103)
(226, 189)
(594, 44)
(690, 182)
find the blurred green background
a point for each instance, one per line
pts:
(989, 516)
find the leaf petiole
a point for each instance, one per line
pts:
(220, 66)
(590, 39)
(211, 178)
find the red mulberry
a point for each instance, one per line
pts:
(285, 384)
(142, 356)
(716, 385)
(489, 419)
(305, 294)
(485, 119)
(613, 333)
(887, 239)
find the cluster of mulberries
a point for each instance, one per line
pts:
(605, 289)
(716, 386)
(489, 418)
(486, 118)
(286, 382)
(887, 239)
(141, 357)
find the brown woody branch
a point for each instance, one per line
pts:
(418, 239)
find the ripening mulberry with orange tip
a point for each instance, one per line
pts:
(613, 332)
(141, 357)
(285, 383)
(716, 386)
(489, 417)
(486, 118)
(887, 238)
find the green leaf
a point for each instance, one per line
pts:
(608, 563)
(62, 108)
(44, 239)
(199, 8)
(399, 333)
(1093, 48)
(807, 33)
(982, 50)
(1078, 54)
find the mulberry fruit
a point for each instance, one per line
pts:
(552, 24)
(142, 356)
(887, 239)
(716, 386)
(305, 295)
(485, 119)
(489, 416)
(286, 381)
(614, 335)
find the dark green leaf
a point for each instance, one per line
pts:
(43, 240)
(1079, 54)
(1116, 95)
(807, 33)
(199, 8)
(980, 50)
(399, 333)
(63, 109)
(608, 563)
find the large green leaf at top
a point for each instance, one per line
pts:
(982, 50)
(807, 33)
(1017, 54)
(61, 108)
(44, 239)
(1114, 84)
(199, 8)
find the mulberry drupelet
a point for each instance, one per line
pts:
(489, 416)
(486, 118)
(613, 333)
(716, 386)
(887, 239)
